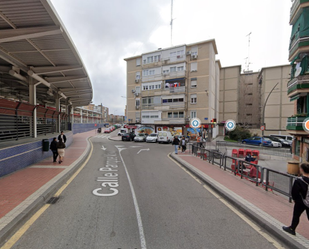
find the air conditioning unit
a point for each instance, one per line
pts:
(136, 94)
(137, 80)
(133, 91)
(194, 57)
(193, 70)
(189, 52)
(137, 107)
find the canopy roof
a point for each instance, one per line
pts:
(35, 44)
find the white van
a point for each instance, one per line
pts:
(165, 137)
(122, 131)
(286, 137)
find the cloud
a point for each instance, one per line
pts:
(106, 32)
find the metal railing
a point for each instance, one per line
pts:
(268, 178)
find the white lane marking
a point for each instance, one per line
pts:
(135, 146)
(138, 214)
(242, 216)
(103, 148)
(142, 150)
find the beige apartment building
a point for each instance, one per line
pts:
(243, 98)
(168, 87)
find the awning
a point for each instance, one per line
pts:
(174, 80)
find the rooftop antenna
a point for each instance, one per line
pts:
(171, 23)
(248, 58)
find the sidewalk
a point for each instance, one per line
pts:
(269, 210)
(25, 191)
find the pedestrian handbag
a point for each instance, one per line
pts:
(306, 200)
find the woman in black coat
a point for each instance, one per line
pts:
(54, 149)
(299, 191)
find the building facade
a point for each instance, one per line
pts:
(169, 87)
(298, 85)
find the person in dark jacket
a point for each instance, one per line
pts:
(53, 148)
(63, 137)
(176, 143)
(299, 191)
(60, 147)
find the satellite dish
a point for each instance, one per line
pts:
(298, 71)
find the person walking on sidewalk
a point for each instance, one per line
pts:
(60, 147)
(63, 137)
(299, 191)
(183, 145)
(176, 144)
(53, 148)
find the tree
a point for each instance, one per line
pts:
(239, 133)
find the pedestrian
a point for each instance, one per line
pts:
(60, 147)
(53, 148)
(183, 144)
(176, 144)
(63, 137)
(299, 191)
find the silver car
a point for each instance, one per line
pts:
(140, 138)
(152, 138)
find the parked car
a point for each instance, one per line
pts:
(140, 138)
(257, 141)
(107, 130)
(284, 143)
(165, 137)
(152, 138)
(128, 136)
(274, 143)
(285, 137)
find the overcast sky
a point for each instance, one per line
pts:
(106, 32)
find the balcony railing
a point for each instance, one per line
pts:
(295, 123)
(301, 82)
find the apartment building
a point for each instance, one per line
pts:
(168, 87)
(298, 85)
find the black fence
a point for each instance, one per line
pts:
(271, 180)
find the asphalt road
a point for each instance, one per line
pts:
(132, 195)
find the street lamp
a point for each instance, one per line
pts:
(263, 115)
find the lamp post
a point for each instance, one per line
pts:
(263, 115)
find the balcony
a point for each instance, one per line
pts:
(294, 8)
(298, 85)
(295, 125)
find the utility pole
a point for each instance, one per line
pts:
(263, 115)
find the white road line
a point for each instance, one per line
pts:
(103, 148)
(138, 214)
(142, 150)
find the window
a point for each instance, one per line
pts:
(138, 62)
(138, 75)
(138, 89)
(180, 68)
(173, 69)
(137, 102)
(181, 114)
(157, 58)
(151, 72)
(150, 59)
(193, 66)
(172, 54)
(169, 114)
(193, 83)
(193, 98)
(175, 114)
(145, 72)
(166, 71)
(193, 114)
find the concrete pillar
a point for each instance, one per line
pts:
(81, 116)
(87, 113)
(58, 122)
(32, 101)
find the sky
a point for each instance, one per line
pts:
(105, 32)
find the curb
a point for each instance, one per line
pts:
(261, 221)
(30, 210)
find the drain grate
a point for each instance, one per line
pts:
(53, 200)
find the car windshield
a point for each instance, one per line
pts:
(141, 135)
(153, 135)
